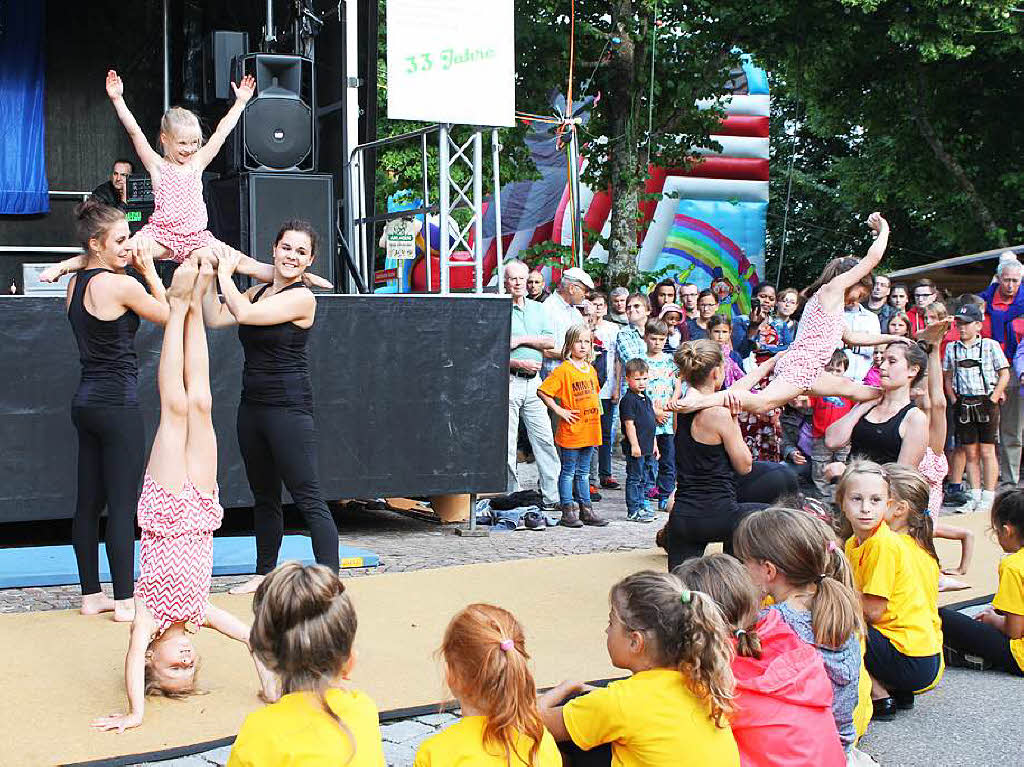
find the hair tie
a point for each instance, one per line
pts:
(832, 546)
(506, 645)
(684, 597)
(820, 578)
(739, 632)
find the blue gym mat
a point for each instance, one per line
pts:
(56, 566)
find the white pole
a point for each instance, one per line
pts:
(478, 205)
(499, 246)
(445, 180)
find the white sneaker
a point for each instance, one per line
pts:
(967, 508)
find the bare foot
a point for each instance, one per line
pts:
(951, 584)
(248, 587)
(124, 610)
(94, 604)
(183, 281)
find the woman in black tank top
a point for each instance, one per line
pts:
(711, 454)
(103, 307)
(276, 430)
(893, 429)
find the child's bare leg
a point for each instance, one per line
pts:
(990, 465)
(831, 385)
(162, 252)
(201, 445)
(966, 538)
(166, 464)
(973, 465)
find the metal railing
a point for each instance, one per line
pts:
(360, 229)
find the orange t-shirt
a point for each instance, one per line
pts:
(576, 389)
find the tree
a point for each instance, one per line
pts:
(918, 107)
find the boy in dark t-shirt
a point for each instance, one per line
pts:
(636, 413)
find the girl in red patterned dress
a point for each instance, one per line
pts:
(844, 282)
(178, 223)
(178, 512)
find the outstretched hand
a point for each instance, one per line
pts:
(245, 89)
(119, 722)
(935, 332)
(51, 273)
(115, 87)
(877, 223)
(227, 259)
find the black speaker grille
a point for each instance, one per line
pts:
(277, 132)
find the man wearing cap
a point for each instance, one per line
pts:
(975, 377)
(1004, 323)
(562, 313)
(531, 337)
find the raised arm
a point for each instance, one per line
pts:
(747, 382)
(867, 264)
(134, 675)
(243, 92)
(867, 338)
(215, 313)
(146, 153)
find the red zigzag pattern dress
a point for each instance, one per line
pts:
(179, 218)
(176, 552)
(818, 335)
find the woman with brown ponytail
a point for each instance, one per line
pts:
(104, 306)
(783, 714)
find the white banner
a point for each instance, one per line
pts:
(451, 61)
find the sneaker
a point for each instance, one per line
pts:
(646, 515)
(647, 505)
(955, 495)
(610, 483)
(595, 494)
(534, 520)
(957, 659)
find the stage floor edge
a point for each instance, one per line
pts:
(56, 565)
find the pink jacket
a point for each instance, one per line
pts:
(783, 714)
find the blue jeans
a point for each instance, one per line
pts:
(666, 464)
(610, 411)
(639, 479)
(575, 465)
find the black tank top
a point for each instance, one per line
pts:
(705, 478)
(879, 442)
(276, 372)
(106, 348)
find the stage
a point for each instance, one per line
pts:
(411, 398)
(561, 601)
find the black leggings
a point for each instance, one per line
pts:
(688, 536)
(111, 459)
(766, 483)
(279, 444)
(963, 633)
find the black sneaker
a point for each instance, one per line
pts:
(534, 520)
(904, 700)
(955, 496)
(883, 710)
(957, 659)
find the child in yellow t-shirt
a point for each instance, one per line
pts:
(487, 669)
(674, 708)
(995, 637)
(903, 652)
(572, 393)
(303, 632)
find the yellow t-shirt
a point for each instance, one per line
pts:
(1010, 596)
(576, 389)
(462, 745)
(883, 566)
(864, 709)
(651, 719)
(296, 731)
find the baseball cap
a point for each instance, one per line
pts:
(968, 313)
(578, 275)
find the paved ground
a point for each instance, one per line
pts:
(970, 719)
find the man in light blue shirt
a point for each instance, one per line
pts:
(532, 334)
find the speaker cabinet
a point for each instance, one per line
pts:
(220, 49)
(277, 130)
(246, 212)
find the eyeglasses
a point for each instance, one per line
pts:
(923, 295)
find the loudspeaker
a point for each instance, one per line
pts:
(246, 212)
(277, 130)
(220, 49)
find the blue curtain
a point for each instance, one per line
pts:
(23, 187)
